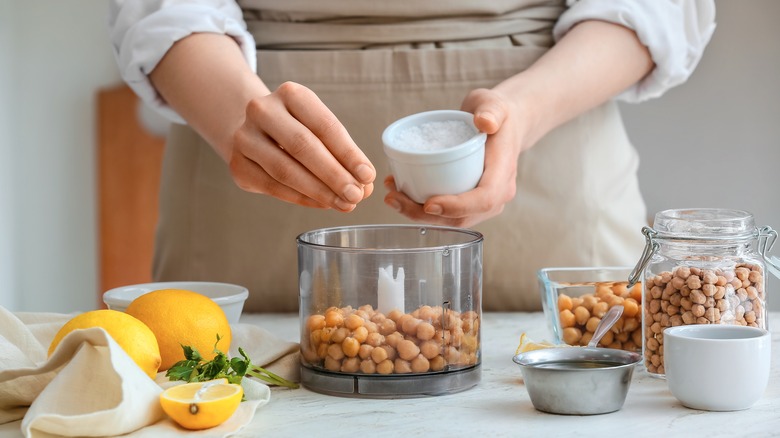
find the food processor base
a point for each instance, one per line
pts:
(391, 386)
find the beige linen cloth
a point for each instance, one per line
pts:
(91, 387)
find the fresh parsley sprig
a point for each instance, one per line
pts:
(194, 368)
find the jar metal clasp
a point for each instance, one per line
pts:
(651, 247)
(766, 239)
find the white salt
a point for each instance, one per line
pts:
(432, 136)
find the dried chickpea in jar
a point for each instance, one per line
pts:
(701, 266)
(693, 295)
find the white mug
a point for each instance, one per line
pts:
(717, 367)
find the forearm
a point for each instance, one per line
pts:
(591, 64)
(205, 78)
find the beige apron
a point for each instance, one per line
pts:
(577, 204)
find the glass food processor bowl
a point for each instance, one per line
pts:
(390, 311)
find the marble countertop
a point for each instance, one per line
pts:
(499, 405)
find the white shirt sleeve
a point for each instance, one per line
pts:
(674, 31)
(143, 31)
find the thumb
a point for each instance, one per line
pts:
(489, 113)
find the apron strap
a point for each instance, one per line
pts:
(530, 23)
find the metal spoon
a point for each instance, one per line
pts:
(606, 323)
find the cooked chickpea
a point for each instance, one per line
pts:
(375, 339)
(326, 333)
(332, 364)
(630, 307)
(379, 354)
(335, 351)
(469, 343)
(353, 321)
(315, 322)
(402, 366)
(393, 339)
(391, 351)
(315, 338)
(351, 347)
(430, 349)
(588, 301)
(339, 335)
(581, 315)
(387, 326)
(411, 325)
(564, 302)
(371, 327)
(350, 365)
(451, 355)
(600, 309)
(309, 354)
(437, 363)
(334, 318)
(367, 366)
(408, 350)
(630, 325)
(408, 320)
(322, 351)
(592, 323)
(586, 337)
(425, 331)
(567, 318)
(420, 364)
(394, 315)
(572, 335)
(385, 367)
(608, 338)
(365, 351)
(361, 334)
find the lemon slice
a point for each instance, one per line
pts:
(201, 405)
(527, 344)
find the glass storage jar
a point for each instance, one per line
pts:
(701, 266)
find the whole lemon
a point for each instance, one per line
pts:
(135, 338)
(181, 317)
(201, 405)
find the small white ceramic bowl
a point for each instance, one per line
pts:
(717, 367)
(230, 297)
(421, 173)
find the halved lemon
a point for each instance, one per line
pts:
(201, 405)
(527, 344)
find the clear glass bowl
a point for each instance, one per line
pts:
(575, 300)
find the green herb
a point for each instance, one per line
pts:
(196, 369)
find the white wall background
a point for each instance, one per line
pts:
(711, 142)
(7, 285)
(58, 57)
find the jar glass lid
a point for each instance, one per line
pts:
(704, 223)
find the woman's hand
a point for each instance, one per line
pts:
(504, 122)
(292, 147)
(285, 143)
(592, 63)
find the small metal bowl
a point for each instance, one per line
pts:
(577, 380)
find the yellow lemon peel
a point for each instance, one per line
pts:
(526, 344)
(135, 338)
(180, 317)
(201, 405)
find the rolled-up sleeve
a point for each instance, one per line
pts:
(142, 32)
(674, 31)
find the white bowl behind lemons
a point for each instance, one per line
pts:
(230, 297)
